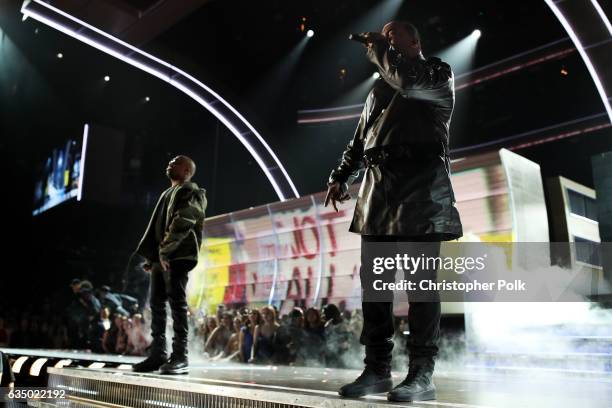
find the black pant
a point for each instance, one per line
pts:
(378, 319)
(170, 286)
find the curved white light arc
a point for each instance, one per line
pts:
(277, 184)
(585, 57)
(602, 15)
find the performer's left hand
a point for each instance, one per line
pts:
(164, 263)
(335, 194)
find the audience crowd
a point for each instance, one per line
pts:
(97, 320)
(103, 321)
(260, 336)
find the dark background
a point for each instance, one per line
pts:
(235, 46)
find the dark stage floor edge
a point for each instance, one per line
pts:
(247, 386)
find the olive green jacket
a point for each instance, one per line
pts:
(181, 235)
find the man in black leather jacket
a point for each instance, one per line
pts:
(171, 245)
(406, 195)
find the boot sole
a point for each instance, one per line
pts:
(378, 388)
(149, 369)
(421, 396)
(140, 370)
(184, 370)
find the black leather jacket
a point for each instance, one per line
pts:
(408, 110)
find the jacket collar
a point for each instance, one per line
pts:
(401, 58)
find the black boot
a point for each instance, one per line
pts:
(157, 357)
(418, 385)
(371, 381)
(177, 364)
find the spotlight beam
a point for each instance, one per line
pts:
(205, 96)
(460, 55)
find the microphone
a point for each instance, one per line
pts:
(360, 38)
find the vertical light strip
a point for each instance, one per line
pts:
(276, 254)
(602, 15)
(322, 252)
(585, 57)
(77, 34)
(82, 165)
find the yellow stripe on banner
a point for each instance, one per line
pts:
(207, 281)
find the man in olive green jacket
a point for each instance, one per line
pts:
(170, 245)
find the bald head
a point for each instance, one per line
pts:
(403, 36)
(181, 169)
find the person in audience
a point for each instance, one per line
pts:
(289, 344)
(75, 318)
(220, 311)
(94, 328)
(247, 333)
(313, 323)
(232, 349)
(111, 301)
(314, 333)
(244, 315)
(210, 325)
(129, 303)
(109, 340)
(219, 337)
(105, 317)
(337, 336)
(264, 337)
(137, 336)
(122, 344)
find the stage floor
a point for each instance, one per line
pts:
(313, 387)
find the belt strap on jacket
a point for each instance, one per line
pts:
(379, 155)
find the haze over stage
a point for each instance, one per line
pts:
(216, 385)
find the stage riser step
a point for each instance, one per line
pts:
(86, 390)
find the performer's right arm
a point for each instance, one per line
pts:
(254, 347)
(211, 339)
(352, 158)
(241, 344)
(348, 170)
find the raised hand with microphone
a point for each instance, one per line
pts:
(367, 38)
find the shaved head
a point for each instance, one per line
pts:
(190, 163)
(403, 36)
(181, 169)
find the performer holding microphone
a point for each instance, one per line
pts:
(406, 196)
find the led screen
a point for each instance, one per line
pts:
(60, 178)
